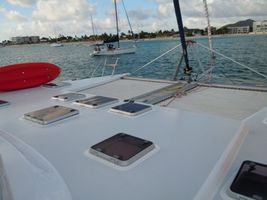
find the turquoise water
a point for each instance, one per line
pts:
(75, 62)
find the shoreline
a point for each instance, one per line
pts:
(145, 39)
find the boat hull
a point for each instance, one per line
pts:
(56, 45)
(117, 51)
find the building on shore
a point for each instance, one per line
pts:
(238, 30)
(25, 40)
(260, 26)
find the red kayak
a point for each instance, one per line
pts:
(27, 75)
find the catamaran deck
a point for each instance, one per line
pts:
(231, 102)
(196, 143)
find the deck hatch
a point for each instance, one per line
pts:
(131, 108)
(56, 85)
(122, 149)
(96, 101)
(69, 96)
(4, 103)
(162, 94)
(51, 114)
(250, 181)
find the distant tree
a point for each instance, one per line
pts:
(62, 38)
(69, 38)
(143, 34)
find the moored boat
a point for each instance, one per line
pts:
(110, 49)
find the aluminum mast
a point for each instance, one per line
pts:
(117, 23)
(187, 69)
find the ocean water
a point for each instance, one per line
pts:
(76, 63)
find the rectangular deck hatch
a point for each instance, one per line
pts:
(131, 108)
(96, 101)
(4, 103)
(69, 96)
(122, 149)
(250, 181)
(51, 114)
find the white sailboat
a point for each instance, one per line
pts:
(64, 141)
(110, 49)
(58, 44)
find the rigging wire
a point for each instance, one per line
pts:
(198, 59)
(156, 58)
(207, 72)
(234, 61)
(93, 28)
(128, 18)
(96, 68)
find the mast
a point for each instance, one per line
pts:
(117, 23)
(93, 27)
(187, 68)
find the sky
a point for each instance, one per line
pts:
(73, 17)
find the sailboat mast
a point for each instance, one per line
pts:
(117, 23)
(182, 35)
(93, 27)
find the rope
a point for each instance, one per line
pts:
(249, 68)
(157, 58)
(177, 95)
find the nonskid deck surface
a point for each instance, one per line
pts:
(190, 147)
(164, 93)
(230, 102)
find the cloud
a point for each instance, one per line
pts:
(72, 17)
(236, 8)
(23, 3)
(58, 10)
(45, 29)
(141, 14)
(2, 9)
(165, 9)
(13, 16)
(218, 8)
(104, 25)
(221, 12)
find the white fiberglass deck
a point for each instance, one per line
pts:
(230, 103)
(126, 89)
(52, 162)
